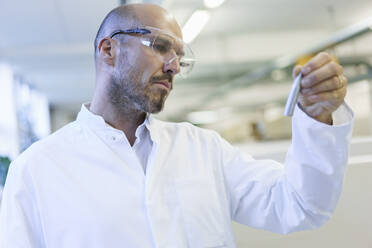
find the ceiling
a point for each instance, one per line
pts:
(50, 43)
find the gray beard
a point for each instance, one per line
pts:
(129, 95)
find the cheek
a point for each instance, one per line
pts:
(142, 65)
(150, 68)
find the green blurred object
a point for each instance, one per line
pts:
(4, 167)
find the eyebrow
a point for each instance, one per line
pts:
(180, 52)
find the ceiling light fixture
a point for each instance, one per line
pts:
(194, 25)
(213, 3)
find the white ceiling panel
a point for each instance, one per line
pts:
(51, 42)
(25, 23)
(271, 15)
(82, 18)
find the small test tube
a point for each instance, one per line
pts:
(293, 96)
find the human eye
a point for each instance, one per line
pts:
(163, 46)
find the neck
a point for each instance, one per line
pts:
(126, 120)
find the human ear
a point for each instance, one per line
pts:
(106, 51)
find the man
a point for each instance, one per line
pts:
(117, 177)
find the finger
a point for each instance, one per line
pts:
(335, 95)
(316, 109)
(303, 101)
(330, 84)
(316, 62)
(328, 70)
(296, 70)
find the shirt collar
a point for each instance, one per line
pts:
(97, 123)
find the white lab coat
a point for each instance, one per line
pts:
(80, 187)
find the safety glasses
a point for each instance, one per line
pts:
(166, 46)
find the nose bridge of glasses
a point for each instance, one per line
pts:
(170, 60)
(172, 64)
(172, 55)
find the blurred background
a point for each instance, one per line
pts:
(245, 52)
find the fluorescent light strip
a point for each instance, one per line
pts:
(195, 25)
(213, 3)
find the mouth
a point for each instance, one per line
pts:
(165, 84)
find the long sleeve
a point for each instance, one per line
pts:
(20, 224)
(301, 194)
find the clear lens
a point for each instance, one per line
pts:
(167, 47)
(187, 61)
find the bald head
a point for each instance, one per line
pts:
(136, 15)
(130, 79)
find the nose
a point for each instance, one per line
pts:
(172, 66)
